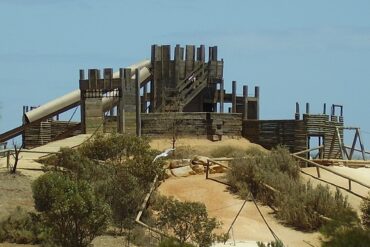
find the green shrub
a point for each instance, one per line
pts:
(22, 227)
(114, 147)
(235, 152)
(365, 210)
(187, 220)
(70, 209)
(119, 176)
(298, 204)
(346, 229)
(227, 151)
(184, 152)
(172, 242)
(348, 237)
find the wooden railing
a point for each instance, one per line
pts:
(318, 167)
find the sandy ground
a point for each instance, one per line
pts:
(15, 190)
(224, 206)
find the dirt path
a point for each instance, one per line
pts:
(224, 206)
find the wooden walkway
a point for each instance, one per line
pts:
(28, 164)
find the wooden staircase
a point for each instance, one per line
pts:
(187, 89)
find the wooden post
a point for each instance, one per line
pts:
(353, 145)
(138, 104)
(82, 105)
(222, 96)
(257, 96)
(342, 148)
(121, 104)
(207, 169)
(245, 101)
(297, 114)
(324, 111)
(318, 172)
(145, 98)
(349, 185)
(361, 144)
(233, 97)
(307, 108)
(155, 57)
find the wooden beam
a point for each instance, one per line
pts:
(257, 96)
(233, 97)
(353, 146)
(138, 104)
(309, 150)
(222, 96)
(245, 102)
(361, 144)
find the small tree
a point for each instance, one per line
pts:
(15, 154)
(365, 209)
(118, 167)
(188, 221)
(70, 209)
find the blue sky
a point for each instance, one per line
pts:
(306, 51)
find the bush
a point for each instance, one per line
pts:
(22, 227)
(187, 220)
(365, 210)
(115, 146)
(298, 204)
(172, 242)
(344, 231)
(70, 209)
(348, 237)
(184, 152)
(235, 152)
(119, 168)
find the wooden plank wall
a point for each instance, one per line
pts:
(41, 134)
(324, 125)
(294, 133)
(271, 133)
(190, 123)
(93, 115)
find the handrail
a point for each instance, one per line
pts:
(144, 205)
(318, 166)
(28, 151)
(309, 150)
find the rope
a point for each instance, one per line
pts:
(268, 226)
(74, 112)
(96, 130)
(69, 121)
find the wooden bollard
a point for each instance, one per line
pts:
(318, 171)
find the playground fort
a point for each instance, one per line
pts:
(183, 93)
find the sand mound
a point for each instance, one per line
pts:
(203, 146)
